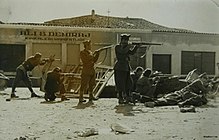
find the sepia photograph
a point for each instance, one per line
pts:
(109, 70)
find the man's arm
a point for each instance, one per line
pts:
(96, 56)
(122, 49)
(133, 51)
(85, 57)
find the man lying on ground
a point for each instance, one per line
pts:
(193, 94)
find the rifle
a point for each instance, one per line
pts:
(146, 43)
(49, 59)
(141, 44)
(104, 48)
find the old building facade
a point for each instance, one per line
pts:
(181, 51)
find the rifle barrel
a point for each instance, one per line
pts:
(104, 48)
(146, 43)
(47, 59)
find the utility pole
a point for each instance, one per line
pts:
(108, 18)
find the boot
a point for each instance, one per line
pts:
(14, 96)
(81, 99)
(127, 100)
(63, 98)
(52, 97)
(133, 99)
(46, 97)
(91, 97)
(121, 99)
(136, 97)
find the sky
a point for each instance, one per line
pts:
(196, 15)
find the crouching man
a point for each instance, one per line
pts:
(54, 84)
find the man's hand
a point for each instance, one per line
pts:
(43, 62)
(52, 58)
(138, 45)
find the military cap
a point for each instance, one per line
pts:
(57, 69)
(125, 36)
(86, 42)
(147, 72)
(37, 55)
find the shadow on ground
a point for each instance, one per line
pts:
(83, 105)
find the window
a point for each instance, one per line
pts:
(203, 61)
(162, 63)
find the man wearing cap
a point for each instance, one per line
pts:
(54, 84)
(122, 68)
(21, 73)
(145, 86)
(135, 76)
(88, 75)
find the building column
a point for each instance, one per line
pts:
(148, 58)
(81, 48)
(112, 54)
(64, 54)
(28, 49)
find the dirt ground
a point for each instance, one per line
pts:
(35, 119)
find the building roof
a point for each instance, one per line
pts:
(100, 21)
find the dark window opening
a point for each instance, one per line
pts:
(162, 63)
(202, 61)
(11, 56)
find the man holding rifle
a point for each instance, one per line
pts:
(88, 75)
(122, 68)
(21, 73)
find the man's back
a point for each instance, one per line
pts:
(52, 81)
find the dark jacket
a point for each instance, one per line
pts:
(122, 55)
(53, 82)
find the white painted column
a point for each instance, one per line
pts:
(148, 58)
(28, 49)
(64, 54)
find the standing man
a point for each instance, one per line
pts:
(122, 68)
(21, 73)
(88, 75)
